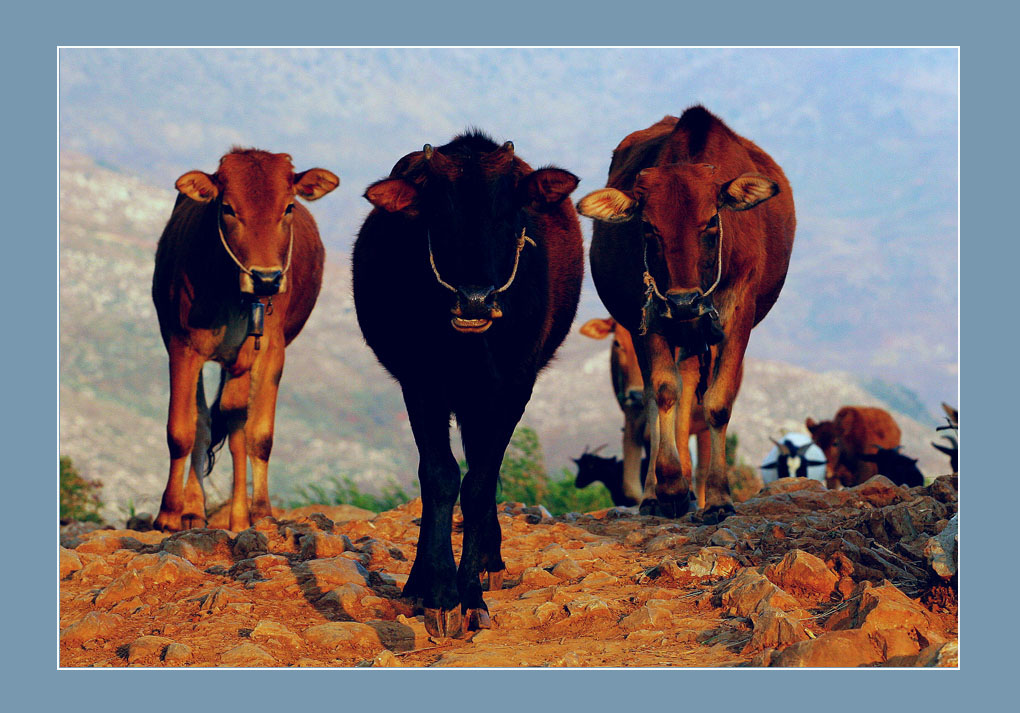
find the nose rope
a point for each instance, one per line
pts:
(245, 270)
(653, 289)
(513, 274)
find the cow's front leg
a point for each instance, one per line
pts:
(667, 486)
(486, 435)
(185, 366)
(433, 577)
(266, 372)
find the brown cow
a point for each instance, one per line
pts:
(855, 431)
(629, 387)
(238, 270)
(683, 257)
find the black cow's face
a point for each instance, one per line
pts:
(468, 196)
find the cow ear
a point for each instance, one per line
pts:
(198, 186)
(608, 205)
(548, 186)
(315, 183)
(810, 423)
(598, 328)
(392, 195)
(746, 191)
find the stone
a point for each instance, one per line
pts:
(749, 591)
(879, 609)
(538, 577)
(94, 570)
(723, 537)
(712, 562)
(177, 654)
(773, 628)
(274, 632)
(939, 655)
(218, 598)
(145, 647)
(386, 659)
(250, 543)
(342, 636)
(338, 513)
(598, 579)
(69, 562)
(545, 613)
(91, 627)
(848, 649)
(801, 571)
(200, 546)
(587, 605)
(169, 569)
(126, 586)
(567, 568)
(332, 572)
(651, 616)
(321, 544)
(941, 551)
(247, 654)
(789, 485)
(879, 491)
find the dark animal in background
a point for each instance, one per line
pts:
(466, 279)
(238, 270)
(691, 245)
(895, 466)
(853, 432)
(953, 438)
(593, 468)
(791, 458)
(629, 387)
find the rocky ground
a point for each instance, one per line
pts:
(800, 576)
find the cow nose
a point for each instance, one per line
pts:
(475, 302)
(684, 305)
(266, 282)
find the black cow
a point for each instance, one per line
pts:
(897, 467)
(466, 279)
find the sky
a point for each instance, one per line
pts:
(867, 137)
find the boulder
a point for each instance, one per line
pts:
(941, 551)
(800, 571)
(344, 636)
(845, 649)
(247, 655)
(91, 627)
(147, 647)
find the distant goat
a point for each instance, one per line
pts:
(796, 456)
(953, 449)
(895, 466)
(592, 468)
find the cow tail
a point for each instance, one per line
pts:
(218, 427)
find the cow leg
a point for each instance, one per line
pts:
(688, 371)
(485, 436)
(233, 410)
(433, 576)
(633, 449)
(667, 486)
(194, 495)
(701, 473)
(185, 366)
(266, 373)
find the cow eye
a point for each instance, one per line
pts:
(290, 209)
(227, 209)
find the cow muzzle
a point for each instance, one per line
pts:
(475, 309)
(687, 319)
(263, 282)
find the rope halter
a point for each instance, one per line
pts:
(513, 273)
(243, 268)
(653, 289)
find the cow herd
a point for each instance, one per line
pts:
(466, 279)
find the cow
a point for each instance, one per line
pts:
(466, 279)
(238, 270)
(853, 432)
(690, 249)
(628, 385)
(896, 466)
(593, 468)
(795, 456)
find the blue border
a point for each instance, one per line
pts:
(31, 354)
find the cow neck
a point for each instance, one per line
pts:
(513, 273)
(651, 288)
(240, 265)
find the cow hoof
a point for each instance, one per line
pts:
(167, 523)
(190, 522)
(715, 514)
(443, 623)
(476, 619)
(672, 507)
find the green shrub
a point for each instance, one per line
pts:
(79, 497)
(344, 491)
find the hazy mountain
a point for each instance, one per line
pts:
(339, 413)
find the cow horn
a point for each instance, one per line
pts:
(783, 450)
(427, 148)
(595, 452)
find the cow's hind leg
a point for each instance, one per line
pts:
(433, 576)
(185, 366)
(233, 413)
(194, 495)
(486, 436)
(266, 374)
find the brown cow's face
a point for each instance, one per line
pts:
(468, 198)
(626, 371)
(255, 193)
(824, 436)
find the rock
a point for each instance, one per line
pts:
(567, 568)
(750, 591)
(880, 609)
(651, 616)
(91, 627)
(343, 636)
(568, 660)
(177, 654)
(940, 655)
(331, 573)
(668, 541)
(848, 649)
(538, 577)
(322, 544)
(800, 571)
(200, 546)
(587, 605)
(879, 491)
(218, 598)
(274, 632)
(250, 543)
(147, 647)
(712, 562)
(386, 659)
(337, 513)
(126, 586)
(69, 562)
(939, 551)
(247, 654)
(598, 579)
(789, 485)
(94, 570)
(723, 537)
(774, 629)
(545, 613)
(169, 569)
(109, 542)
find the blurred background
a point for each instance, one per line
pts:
(869, 313)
